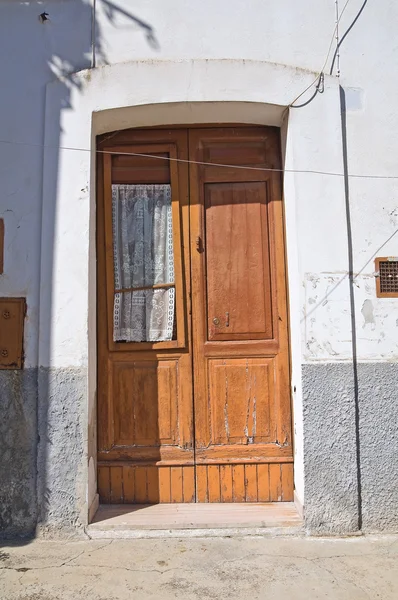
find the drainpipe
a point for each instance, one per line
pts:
(343, 117)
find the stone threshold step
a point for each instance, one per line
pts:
(195, 520)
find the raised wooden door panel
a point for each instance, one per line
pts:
(145, 435)
(146, 414)
(240, 343)
(239, 305)
(149, 408)
(246, 386)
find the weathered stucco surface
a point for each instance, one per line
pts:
(333, 500)
(330, 465)
(378, 425)
(43, 441)
(336, 499)
(62, 452)
(18, 445)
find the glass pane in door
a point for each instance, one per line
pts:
(144, 300)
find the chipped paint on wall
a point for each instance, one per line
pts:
(327, 320)
(376, 322)
(368, 315)
(326, 317)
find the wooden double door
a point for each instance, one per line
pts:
(193, 363)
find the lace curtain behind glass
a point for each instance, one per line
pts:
(143, 256)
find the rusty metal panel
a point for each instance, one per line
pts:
(1, 246)
(12, 315)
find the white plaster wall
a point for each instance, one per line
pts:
(314, 144)
(29, 52)
(369, 62)
(286, 32)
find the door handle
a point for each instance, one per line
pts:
(199, 245)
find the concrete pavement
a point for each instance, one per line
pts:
(253, 568)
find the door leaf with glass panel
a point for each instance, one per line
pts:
(145, 370)
(144, 301)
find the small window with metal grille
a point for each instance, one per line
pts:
(387, 277)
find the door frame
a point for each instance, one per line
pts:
(117, 142)
(261, 93)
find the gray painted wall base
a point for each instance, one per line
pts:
(62, 451)
(44, 429)
(18, 451)
(43, 441)
(337, 500)
(378, 425)
(330, 467)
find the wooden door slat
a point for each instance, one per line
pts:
(226, 483)
(263, 483)
(238, 483)
(287, 482)
(251, 483)
(164, 484)
(116, 474)
(104, 485)
(213, 482)
(153, 493)
(128, 484)
(177, 493)
(275, 483)
(141, 489)
(202, 493)
(188, 476)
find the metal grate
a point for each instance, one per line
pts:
(388, 276)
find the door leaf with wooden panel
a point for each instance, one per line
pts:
(243, 447)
